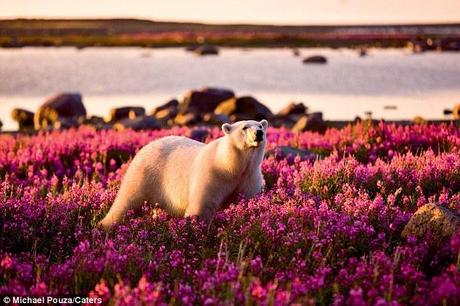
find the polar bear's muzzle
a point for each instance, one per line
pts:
(255, 138)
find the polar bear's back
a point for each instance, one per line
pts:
(166, 165)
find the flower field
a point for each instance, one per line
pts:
(327, 229)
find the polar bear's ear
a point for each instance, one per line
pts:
(264, 123)
(226, 128)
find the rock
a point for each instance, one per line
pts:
(186, 119)
(64, 123)
(171, 104)
(204, 100)
(316, 59)
(137, 124)
(198, 134)
(24, 118)
(216, 119)
(240, 117)
(287, 121)
(93, 120)
(166, 114)
(289, 115)
(206, 50)
(362, 52)
(456, 111)
(121, 113)
(295, 52)
(438, 220)
(291, 152)
(166, 111)
(312, 122)
(418, 120)
(97, 122)
(243, 108)
(65, 105)
(293, 108)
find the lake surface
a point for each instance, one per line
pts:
(348, 86)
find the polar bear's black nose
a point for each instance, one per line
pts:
(259, 135)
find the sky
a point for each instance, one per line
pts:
(243, 11)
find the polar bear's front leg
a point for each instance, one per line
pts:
(204, 202)
(204, 207)
(252, 185)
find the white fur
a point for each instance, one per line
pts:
(186, 177)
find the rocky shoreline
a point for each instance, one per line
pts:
(82, 33)
(199, 107)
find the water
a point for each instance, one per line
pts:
(419, 84)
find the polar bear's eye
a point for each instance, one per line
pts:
(245, 128)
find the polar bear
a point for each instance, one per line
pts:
(186, 177)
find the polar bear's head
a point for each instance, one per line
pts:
(246, 134)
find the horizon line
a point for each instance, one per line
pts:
(235, 23)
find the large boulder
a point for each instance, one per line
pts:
(216, 119)
(167, 111)
(289, 115)
(293, 109)
(243, 108)
(430, 218)
(311, 122)
(187, 119)
(24, 118)
(171, 104)
(120, 113)
(204, 100)
(137, 124)
(166, 115)
(65, 105)
(316, 59)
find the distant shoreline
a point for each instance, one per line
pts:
(81, 33)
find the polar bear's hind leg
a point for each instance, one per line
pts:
(131, 195)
